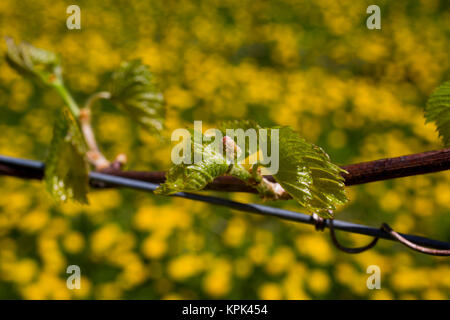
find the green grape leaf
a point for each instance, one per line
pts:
(438, 111)
(305, 170)
(66, 168)
(197, 174)
(33, 62)
(133, 89)
(307, 174)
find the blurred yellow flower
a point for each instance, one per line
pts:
(24, 271)
(318, 281)
(235, 232)
(85, 289)
(293, 283)
(217, 282)
(258, 253)
(391, 201)
(172, 296)
(433, 294)
(185, 266)
(154, 247)
(280, 261)
(34, 221)
(381, 294)
(270, 291)
(104, 238)
(409, 279)
(314, 246)
(73, 242)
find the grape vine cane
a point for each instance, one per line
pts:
(306, 173)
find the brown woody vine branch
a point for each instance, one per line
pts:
(359, 173)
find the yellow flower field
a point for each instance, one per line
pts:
(312, 65)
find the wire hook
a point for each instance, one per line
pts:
(320, 224)
(347, 249)
(434, 252)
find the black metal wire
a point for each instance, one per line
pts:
(36, 169)
(321, 223)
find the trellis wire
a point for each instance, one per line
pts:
(34, 169)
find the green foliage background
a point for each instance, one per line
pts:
(313, 65)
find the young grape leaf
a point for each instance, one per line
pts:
(438, 111)
(306, 173)
(305, 170)
(34, 62)
(66, 168)
(132, 89)
(197, 174)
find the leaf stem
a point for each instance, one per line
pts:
(67, 97)
(94, 154)
(95, 97)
